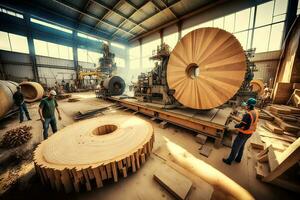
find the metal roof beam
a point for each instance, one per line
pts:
(108, 12)
(171, 5)
(166, 6)
(118, 13)
(48, 15)
(86, 7)
(138, 10)
(191, 14)
(61, 2)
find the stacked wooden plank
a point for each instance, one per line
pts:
(280, 168)
(285, 118)
(280, 148)
(87, 154)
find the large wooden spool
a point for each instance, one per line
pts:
(7, 90)
(32, 91)
(206, 68)
(257, 86)
(89, 153)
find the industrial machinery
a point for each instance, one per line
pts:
(112, 86)
(109, 84)
(199, 73)
(106, 84)
(152, 86)
(106, 68)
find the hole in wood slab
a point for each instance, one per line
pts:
(192, 70)
(105, 129)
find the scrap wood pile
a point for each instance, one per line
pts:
(279, 142)
(16, 137)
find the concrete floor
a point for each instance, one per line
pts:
(141, 184)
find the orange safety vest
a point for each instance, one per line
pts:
(253, 124)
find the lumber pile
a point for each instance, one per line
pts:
(16, 137)
(280, 167)
(284, 118)
(92, 152)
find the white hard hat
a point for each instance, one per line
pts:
(52, 92)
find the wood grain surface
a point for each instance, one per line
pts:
(221, 68)
(94, 150)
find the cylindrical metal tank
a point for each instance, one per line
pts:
(7, 90)
(115, 85)
(32, 91)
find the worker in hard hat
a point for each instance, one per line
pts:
(47, 109)
(19, 101)
(246, 128)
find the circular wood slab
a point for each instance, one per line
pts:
(206, 68)
(94, 150)
(257, 86)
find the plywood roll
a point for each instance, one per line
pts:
(206, 68)
(32, 91)
(86, 153)
(257, 86)
(7, 90)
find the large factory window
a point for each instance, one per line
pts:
(4, 41)
(134, 57)
(40, 47)
(298, 10)
(53, 50)
(171, 40)
(267, 24)
(93, 57)
(148, 49)
(18, 43)
(43, 23)
(13, 42)
(82, 55)
(44, 48)
(9, 12)
(120, 62)
(120, 46)
(88, 56)
(82, 35)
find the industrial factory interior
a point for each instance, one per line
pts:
(149, 99)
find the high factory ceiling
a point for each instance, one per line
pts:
(122, 20)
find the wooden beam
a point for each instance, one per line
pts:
(286, 160)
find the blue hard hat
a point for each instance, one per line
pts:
(251, 102)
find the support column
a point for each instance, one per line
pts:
(140, 43)
(75, 55)
(291, 15)
(161, 34)
(31, 49)
(179, 26)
